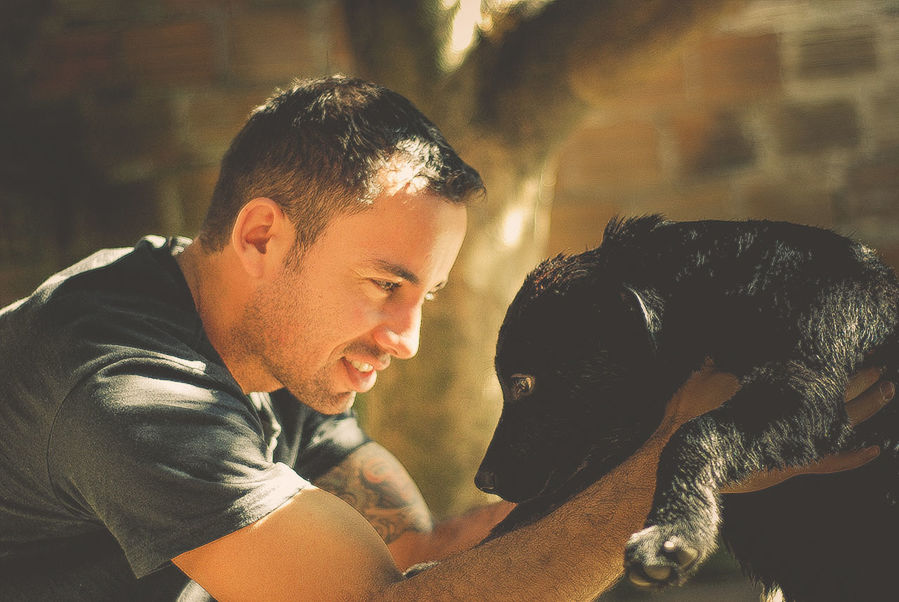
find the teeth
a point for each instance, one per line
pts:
(362, 366)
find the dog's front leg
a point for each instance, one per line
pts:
(778, 418)
(682, 525)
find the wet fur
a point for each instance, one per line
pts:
(613, 332)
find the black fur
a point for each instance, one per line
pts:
(607, 336)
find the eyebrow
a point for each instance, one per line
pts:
(397, 270)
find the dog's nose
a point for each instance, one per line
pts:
(485, 480)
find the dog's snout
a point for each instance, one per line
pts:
(485, 480)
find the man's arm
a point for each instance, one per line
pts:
(319, 548)
(373, 481)
(316, 546)
(376, 484)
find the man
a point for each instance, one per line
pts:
(150, 396)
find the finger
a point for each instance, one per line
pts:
(843, 461)
(868, 403)
(758, 481)
(830, 464)
(861, 381)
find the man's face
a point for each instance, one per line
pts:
(325, 330)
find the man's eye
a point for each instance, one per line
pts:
(386, 285)
(521, 385)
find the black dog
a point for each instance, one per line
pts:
(594, 345)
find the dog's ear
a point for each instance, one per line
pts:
(644, 307)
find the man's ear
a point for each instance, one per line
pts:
(261, 237)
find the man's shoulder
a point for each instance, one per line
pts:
(118, 307)
(111, 294)
(143, 278)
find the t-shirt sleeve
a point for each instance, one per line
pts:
(311, 442)
(166, 457)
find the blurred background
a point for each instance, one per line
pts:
(115, 114)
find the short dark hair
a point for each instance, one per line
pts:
(317, 149)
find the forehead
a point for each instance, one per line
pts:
(415, 229)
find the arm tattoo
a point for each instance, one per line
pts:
(373, 481)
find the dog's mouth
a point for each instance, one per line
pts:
(517, 489)
(551, 483)
(557, 479)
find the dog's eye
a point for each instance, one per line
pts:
(522, 385)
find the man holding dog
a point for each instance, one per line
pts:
(151, 411)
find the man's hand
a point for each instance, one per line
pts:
(375, 483)
(866, 394)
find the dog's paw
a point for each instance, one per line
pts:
(656, 557)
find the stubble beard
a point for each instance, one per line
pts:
(261, 335)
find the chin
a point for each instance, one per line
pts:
(328, 403)
(346, 401)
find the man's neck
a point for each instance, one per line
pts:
(220, 296)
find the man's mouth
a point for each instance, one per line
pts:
(361, 366)
(362, 374)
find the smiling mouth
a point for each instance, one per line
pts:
(362, 374)
(361, 366)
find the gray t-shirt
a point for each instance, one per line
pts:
(119, 417)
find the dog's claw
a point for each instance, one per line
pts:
(657, 573)
(637, 579)
(654, 559)
(684, 556)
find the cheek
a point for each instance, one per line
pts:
(355, 317)
(335, 327)
(317, 321)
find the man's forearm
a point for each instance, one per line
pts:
(317, 547)
(374, 482)
(449, 536)
(574, 553)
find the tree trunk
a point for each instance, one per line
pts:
(506, 109)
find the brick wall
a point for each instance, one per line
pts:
(118, 112)
(784, 110)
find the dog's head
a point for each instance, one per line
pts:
(573, 357)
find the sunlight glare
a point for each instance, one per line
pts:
(513, 226)
(462, 31)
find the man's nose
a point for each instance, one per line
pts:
(399, 334)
